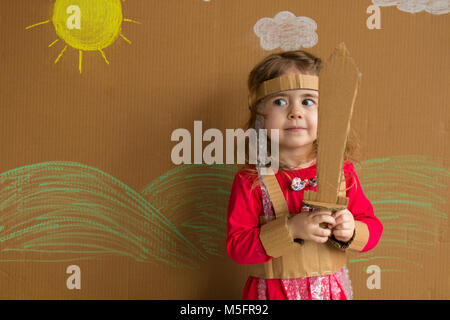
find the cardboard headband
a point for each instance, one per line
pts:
(284, 83)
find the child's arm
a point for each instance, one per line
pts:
(243, 243)
(368, 228)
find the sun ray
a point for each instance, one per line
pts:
(125, 38)
(51, 44)
(103, 55)
(60, 54)
(130, 20)
(80, 60)
(37, 24)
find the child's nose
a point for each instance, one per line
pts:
(296, 112)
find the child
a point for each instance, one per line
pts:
(295, 113)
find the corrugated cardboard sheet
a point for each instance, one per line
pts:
(86, 172)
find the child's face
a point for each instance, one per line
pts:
(292, 108)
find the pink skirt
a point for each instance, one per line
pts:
(330, 287)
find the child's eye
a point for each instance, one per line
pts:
(280, 102)
(308, 102)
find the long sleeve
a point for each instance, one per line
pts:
(243, 243)
(368, 226)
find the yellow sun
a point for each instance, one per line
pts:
(87, 25)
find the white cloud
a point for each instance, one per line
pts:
(413, 6)
(287, 31)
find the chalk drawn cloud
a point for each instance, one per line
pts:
(414, 6)
(287, 31)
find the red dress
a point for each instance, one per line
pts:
(244, 246)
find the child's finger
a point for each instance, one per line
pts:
(339, 220)
(319, 239)
(343, 218)
(320, 232)
(324, 218)
(343, 226)
(338, 214)
(341, 234)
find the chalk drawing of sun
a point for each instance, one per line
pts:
(87, 25)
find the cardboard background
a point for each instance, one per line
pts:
(189, 60)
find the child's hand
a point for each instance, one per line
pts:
(345, 225)
(306, 225)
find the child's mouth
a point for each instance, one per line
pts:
(296, 129)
